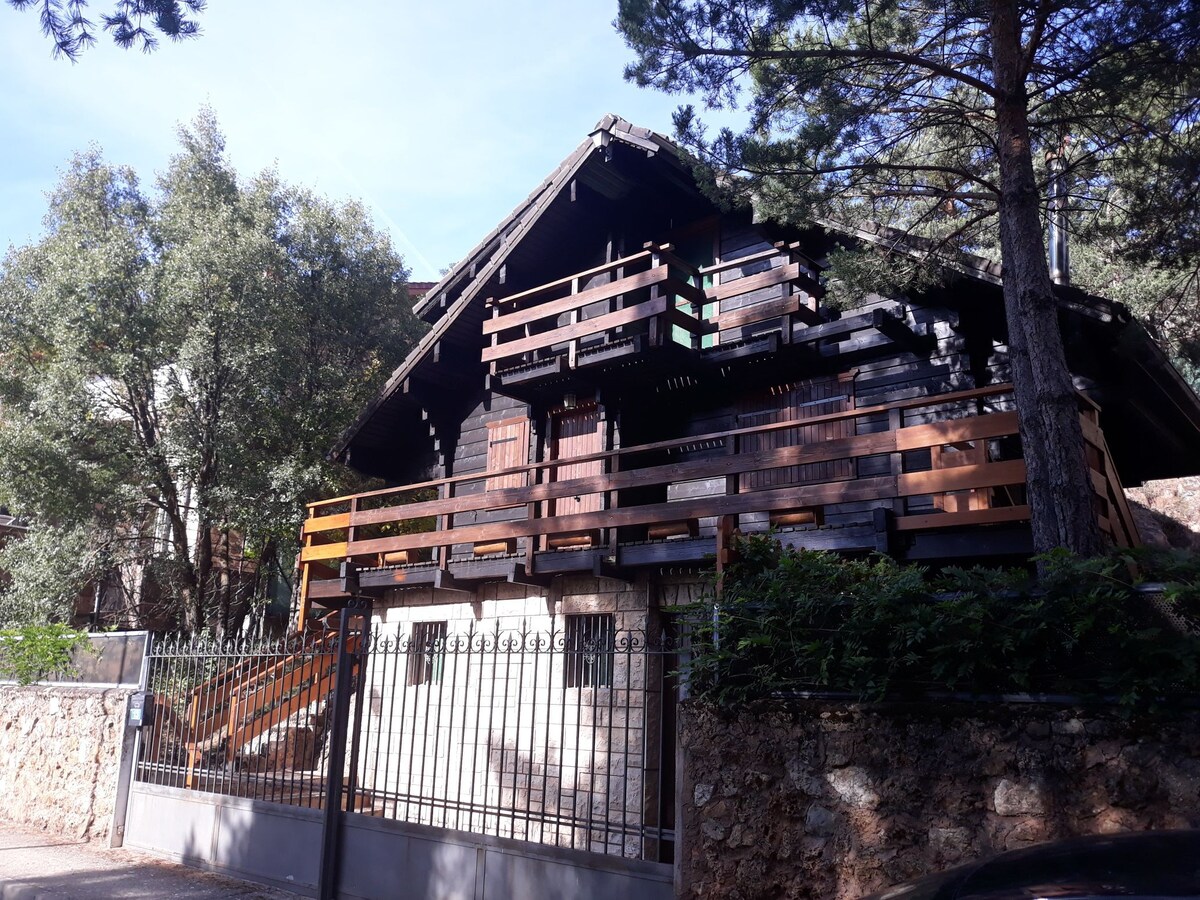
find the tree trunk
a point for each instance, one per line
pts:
(1059, 484)
(204, 566)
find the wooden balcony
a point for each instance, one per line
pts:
(652, 308)
(936, 467)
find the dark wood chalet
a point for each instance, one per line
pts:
(620, 374)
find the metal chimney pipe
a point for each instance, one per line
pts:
(1060, 259)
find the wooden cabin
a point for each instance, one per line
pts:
(619, 375)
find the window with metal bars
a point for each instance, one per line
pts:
(588, 646)
(426, 653)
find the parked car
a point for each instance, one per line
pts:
(1150, 865)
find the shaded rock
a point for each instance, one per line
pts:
(1017, 798)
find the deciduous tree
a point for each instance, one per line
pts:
(174, 366)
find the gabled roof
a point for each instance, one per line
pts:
(442, 306)
(398, 416)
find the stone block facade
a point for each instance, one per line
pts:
(509, 727)
(60, 752)
(834, 800)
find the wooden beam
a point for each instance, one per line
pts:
(675, 443)
(972, 428)
(626, 316)
(348, 578)
(574, 301)
(896, 329)
(963, 519)
(444, 581)
(786, 274)
(520, 574)
(961, 478)
(632, 259)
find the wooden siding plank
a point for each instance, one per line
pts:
(962, 478)
(961, 519)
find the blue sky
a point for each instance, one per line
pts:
(439, 118)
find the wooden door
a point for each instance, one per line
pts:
(796, 402)
(508, 447)
(577, 432)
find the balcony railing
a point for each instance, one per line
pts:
(973, 477)
(649, 301)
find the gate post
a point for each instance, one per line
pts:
(331, 823)
(131, 743)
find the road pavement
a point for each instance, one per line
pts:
(49, 867)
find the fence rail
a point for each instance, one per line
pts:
(562, 738)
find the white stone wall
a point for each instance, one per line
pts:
(501, 744)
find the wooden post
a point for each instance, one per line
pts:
(303, 602)
(727, 535)
(896, 459)
(493, 367)
(445, 523)
(573, 346)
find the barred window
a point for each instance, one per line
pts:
(589, 650)
(426, 653)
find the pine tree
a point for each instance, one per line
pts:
(929, 117)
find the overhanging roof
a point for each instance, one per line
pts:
(1155, 396)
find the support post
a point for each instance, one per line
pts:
(360, 681)
(331, 822)
(131, 743)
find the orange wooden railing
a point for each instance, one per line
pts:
(972, 489)
(647, 295)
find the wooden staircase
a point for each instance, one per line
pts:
(242, 703)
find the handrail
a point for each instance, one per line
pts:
(833, 489)
(640, 256)
(825, 418)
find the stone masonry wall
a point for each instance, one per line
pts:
(60, 750)
(835, 801)
(496, 741)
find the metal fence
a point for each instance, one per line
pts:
(563, 737)
(246, 719)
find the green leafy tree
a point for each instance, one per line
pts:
(929, 117)
(132, 23)
(173, 367)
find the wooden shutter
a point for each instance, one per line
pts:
(508, 446)
(796, 402)
(578, 432)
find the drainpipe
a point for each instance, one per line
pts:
(1060, 260)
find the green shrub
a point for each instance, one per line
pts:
(796, 620)
(30, 653)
